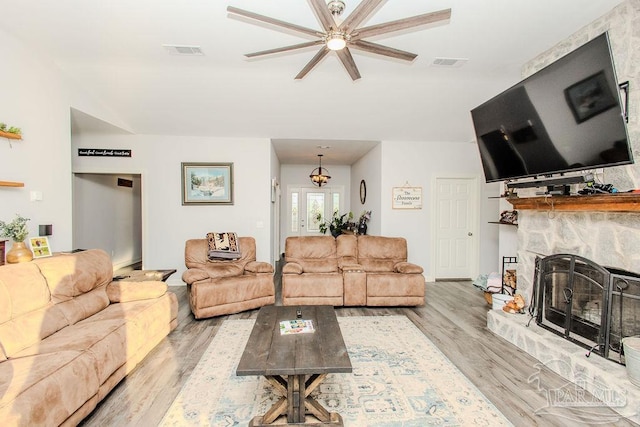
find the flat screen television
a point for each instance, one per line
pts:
(565, 117)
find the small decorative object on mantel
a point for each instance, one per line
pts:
(362, 222)
(509, 217)
(17, 230)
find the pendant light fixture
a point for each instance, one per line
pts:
(318, 175)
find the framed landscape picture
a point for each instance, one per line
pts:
(40, 247)
(207, 183)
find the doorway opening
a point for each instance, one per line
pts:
(107, 214)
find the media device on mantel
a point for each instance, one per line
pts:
(565, 117)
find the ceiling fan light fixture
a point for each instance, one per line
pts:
(336, 41)
(317, 176)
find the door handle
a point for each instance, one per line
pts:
(469, 234)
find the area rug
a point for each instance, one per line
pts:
(399, 378)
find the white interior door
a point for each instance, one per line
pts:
(456, 224)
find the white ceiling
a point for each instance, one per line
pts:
(114, 49)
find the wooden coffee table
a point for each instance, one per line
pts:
(295, 364)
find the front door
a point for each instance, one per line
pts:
(456, 223)
(305, 203)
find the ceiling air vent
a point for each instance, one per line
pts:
(183, 50)
(449, 62)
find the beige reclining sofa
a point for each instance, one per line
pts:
(68, 335)
(350, 271)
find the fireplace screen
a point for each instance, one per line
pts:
(586, 303)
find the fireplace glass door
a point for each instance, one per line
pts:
(574, 299)
(586, 303)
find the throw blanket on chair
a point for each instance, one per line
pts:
(223, 246)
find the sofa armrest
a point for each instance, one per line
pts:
(123, 291)
(258, 267)
(292, 268)
(407, 268)
(193, 275)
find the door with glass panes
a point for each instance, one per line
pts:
(309, 207)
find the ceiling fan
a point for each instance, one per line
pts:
(340, 36)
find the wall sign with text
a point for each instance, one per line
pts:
(407, 198)
(103, 152)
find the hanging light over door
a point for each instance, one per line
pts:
(318, 175)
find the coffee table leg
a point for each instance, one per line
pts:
(296, 398)
(296, 402)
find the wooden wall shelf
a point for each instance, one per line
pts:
(10, 135)
(11, 184)
(616, 202)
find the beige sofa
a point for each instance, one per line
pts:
(351, 271)
(226, 286)
(68, 335)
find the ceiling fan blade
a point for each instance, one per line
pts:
(382, 50)
(364, 9)
(401, 24)
(284, 49)
(314, 61)
(349, 63)
(273, 21)
(321, 11)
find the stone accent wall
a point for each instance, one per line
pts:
(608, 238)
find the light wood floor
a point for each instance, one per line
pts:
(454, 318)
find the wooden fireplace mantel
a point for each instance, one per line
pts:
(616, 202)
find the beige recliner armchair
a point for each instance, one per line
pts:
(226, 286)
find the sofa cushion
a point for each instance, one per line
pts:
(312, 285)
(380, 254)
(315, 254)
(77, 282)
(26, 312)
(347, 249)
(46, 389)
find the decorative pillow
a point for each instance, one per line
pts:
(223, 246)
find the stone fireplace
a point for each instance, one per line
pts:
(602, 231)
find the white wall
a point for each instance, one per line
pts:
(166, 223)
(275, 207)
(418, 164)
(37, 98)
(368, 167)
(108, 216)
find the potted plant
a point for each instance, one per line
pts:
(337, 225)
(362, 222)
(18, 231)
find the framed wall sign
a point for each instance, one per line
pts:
(406, 198)
(207, 183)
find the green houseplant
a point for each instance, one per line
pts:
(337, 224)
